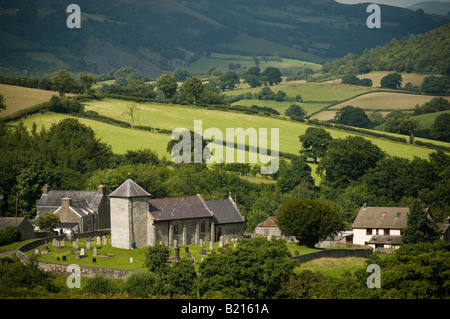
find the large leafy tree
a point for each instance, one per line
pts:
(347, 160)
(441, 128)
(271, 76)
(309, 220)
(2, 103)
(253, 76)
(293, 174)
(167, 84)
(255, 268)
(315, 143)
(420, 227)
(63, 83)
(353, 116)
(391, 81)
(191, 90)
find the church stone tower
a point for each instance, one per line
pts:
(129, 216)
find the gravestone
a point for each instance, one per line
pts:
(82, 252)
(188, 254)
(201, 243)
(203, 251)
(105, 240)
(77, 255)
(88, 245)
(195, 260)
(177, 254)
(36, 251)
(175, 243)
(297, 253)
(211, 245)
(54, 242)
(63, 243)
(94, 253)
(64, 258)
(57, 245)
(186, 249)
(98, 241)
(77, 246)
(94, 260)
(131, 260)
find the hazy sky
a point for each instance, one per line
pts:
(398, 3)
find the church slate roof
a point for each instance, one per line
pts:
(129, 189)
(225, 211)
(184, 207)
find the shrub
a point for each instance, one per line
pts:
(143, 284)
(99, 284)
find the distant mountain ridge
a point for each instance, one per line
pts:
(156, 36)
(432, 7)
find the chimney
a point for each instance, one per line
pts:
(66, 202)
(46, 189)
(365, 206)
(101, 189)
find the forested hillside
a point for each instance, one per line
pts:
(157, 36)
(424, 53)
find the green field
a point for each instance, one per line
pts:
(169, 117)
(427, 120)
(222, 61)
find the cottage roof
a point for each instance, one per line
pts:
(386, 239)
(225, 211)
(269, 222)
(79, 198)
(172, 208)
(66, 225)
(381, 217)
(10, 221)
(129, 189)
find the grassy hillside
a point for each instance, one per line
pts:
(18, 98)
(222, 61)
(172, 116)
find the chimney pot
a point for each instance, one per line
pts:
(45, 189)
(101, 189)
(66, 202)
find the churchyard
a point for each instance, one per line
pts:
(98, 252)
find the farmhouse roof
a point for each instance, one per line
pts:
(185, 207)
(269, 222)
(129, 189)
(66, 225)
(79, 198)
(381, 217)
(385, 239)
(225, 211)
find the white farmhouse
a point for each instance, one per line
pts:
(380, 226)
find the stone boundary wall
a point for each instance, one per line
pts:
(61, 269)
(334, 253)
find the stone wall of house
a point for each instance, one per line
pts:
(334, 253)
(139, 224)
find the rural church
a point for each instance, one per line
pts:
(137, 220)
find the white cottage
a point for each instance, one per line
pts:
(380, 227)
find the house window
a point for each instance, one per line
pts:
(387, 231)
(368, 231)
